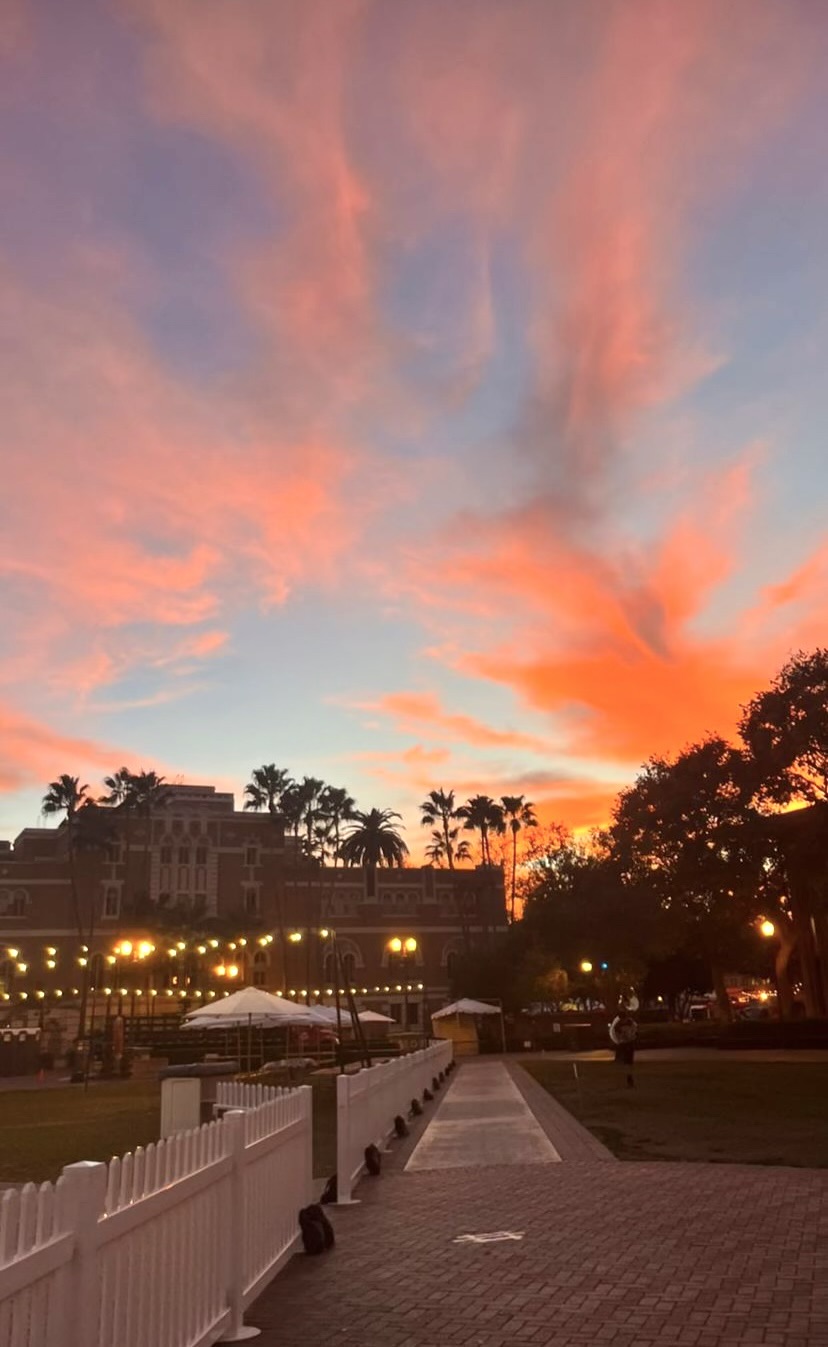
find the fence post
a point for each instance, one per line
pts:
(237, 1330)
(82, 1188)
(307, 1117)
(343, 1142)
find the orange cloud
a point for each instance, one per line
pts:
(422, 712)
(32, 753)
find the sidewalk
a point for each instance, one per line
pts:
(594, 1254)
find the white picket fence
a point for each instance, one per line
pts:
(163, 1248)
(368, 1102)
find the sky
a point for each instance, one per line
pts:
(410, 394)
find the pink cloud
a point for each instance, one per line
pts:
(32, 753)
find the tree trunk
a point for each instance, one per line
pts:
(514, 873)
(722, 999)
(812, 989)
(782, 977)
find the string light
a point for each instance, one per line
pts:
(242, 940)
(51, 951)
(50, 963)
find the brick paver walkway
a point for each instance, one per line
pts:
(609, 1255)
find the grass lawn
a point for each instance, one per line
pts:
(760, 1113)
(43, 1130)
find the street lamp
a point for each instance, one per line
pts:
(586, 965)
(404, 947)
(767, 928)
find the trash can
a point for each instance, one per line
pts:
(188, 1093)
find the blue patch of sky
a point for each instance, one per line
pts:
(472, 385)
(93, 169)
(759, 297)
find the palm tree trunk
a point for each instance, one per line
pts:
(447, 840)
(514, 872)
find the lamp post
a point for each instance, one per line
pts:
(404, 947)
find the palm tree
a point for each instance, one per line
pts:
(438, 810)
(66, 796)
(270, 788)
(437, 850)
(518, 812)
(149, 792)
(120, 787)
(373, 840)
(266, 787)
(310, 791)
(336, 807)
(484, 815)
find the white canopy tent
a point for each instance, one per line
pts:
(465, 1006)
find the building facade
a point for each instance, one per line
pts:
(197, 898)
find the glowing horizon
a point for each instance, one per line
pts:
(412, 395)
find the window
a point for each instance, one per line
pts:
(260, 966)
(166, 855)
(201, 901)
(165, 879)
(113, 852)
(183, 855)
(251, 856)
(451, 963)
(13, 903)
(183, 877)
(201, 855)
(251, 900)
(201, 877)
(112, 902)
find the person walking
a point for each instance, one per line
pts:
(623, 1032)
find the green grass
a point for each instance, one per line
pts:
(43, 1130)
(768, 1113)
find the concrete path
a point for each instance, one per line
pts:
(483, 1120)
(581, 1253)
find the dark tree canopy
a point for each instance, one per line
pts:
(785, 729)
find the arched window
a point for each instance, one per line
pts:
(112, 901)
(350, 959)
(7, 971)
(452, 950)
(261, 964)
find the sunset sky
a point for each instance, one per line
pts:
(412, 393)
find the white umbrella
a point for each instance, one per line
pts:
(250, 1006)
(373, 1017)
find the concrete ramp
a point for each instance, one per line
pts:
(483, 1120)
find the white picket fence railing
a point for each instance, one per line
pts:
(368, 1102)
(163, 1248)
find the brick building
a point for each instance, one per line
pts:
(199, 898)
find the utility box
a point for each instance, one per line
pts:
(180, 1106)
(188, 1094)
